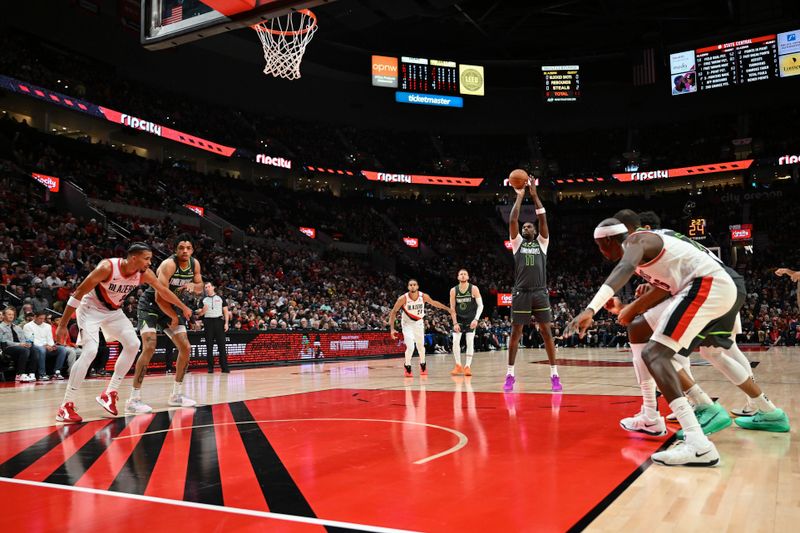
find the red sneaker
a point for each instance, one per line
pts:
(108, 401)
(68, 415)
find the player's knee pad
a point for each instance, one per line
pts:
(728, 366)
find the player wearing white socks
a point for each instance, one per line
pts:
(465, 299)
(96, 304)
(705, 301)
(413, 305)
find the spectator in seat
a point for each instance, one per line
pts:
(14, 344)
(41, 335)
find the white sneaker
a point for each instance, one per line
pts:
(58, 375)
(640, 423)
(31, 378)
(137, 407)
(686, 454)
(179, 400)
(749, 409)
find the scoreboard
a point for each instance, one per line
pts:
(420, 80)
(562, 83)
(421, 75)
(735, 63)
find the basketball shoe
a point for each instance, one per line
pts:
(408, 373)
(423, 369)
(640, 423)
(457, 370)
(467, 371)
(509, 384)
(137, 407)
(108, 401)
(712, 418)
(179, 400)
(687, 454)
(555, 384)
(68, 415)
(749, 409)
(776, 421)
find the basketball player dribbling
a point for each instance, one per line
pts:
(466, 299)
(413, 324)
(181, 273)
(530, 294)
(96, 304)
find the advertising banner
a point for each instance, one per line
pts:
(253, 348)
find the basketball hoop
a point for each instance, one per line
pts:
(284, 40)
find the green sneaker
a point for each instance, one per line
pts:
(712, 418)
(776, 421)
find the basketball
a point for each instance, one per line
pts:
(518, 178)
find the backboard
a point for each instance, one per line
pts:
(167, 23)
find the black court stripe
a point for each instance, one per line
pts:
(37, 450)
(135, 473)
(76, 466)
(280, 491)
(589, 517)
(681, 308)
(203, 481)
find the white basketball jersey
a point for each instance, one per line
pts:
(111, 293)
(413, 310)
(679, 263)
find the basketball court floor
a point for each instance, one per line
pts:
(355, 446)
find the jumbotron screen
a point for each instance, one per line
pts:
(562, 83)
(419, 75)
(735, 63)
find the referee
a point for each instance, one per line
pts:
(215, 323)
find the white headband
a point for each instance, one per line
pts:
(609, 231)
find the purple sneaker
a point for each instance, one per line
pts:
(555, 384)
(509, 384)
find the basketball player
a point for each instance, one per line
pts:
(731, 362)
(702, 311)
(466, 299)
(413, 305)
(96, 304)
(181, 273)
(530, 286)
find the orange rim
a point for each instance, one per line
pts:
(261, 26)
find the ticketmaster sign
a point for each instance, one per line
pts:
(429, 99)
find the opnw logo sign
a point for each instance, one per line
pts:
(504, 299)
(789, 160)
(411, 242)
(384, 71)
(311, 233)
(196, 209)
(274, 161)
(509, 245)
(52, 183)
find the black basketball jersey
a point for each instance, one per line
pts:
(530, 264)
(466, 304)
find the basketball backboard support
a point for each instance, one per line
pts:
(167, 23)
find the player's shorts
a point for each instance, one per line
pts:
(92, 318)
(702, 314)
(525, 302)
(464, 324)
(151, 319)
(414, 332)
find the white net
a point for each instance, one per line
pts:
(284, 40)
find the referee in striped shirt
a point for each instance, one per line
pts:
(215, 323)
